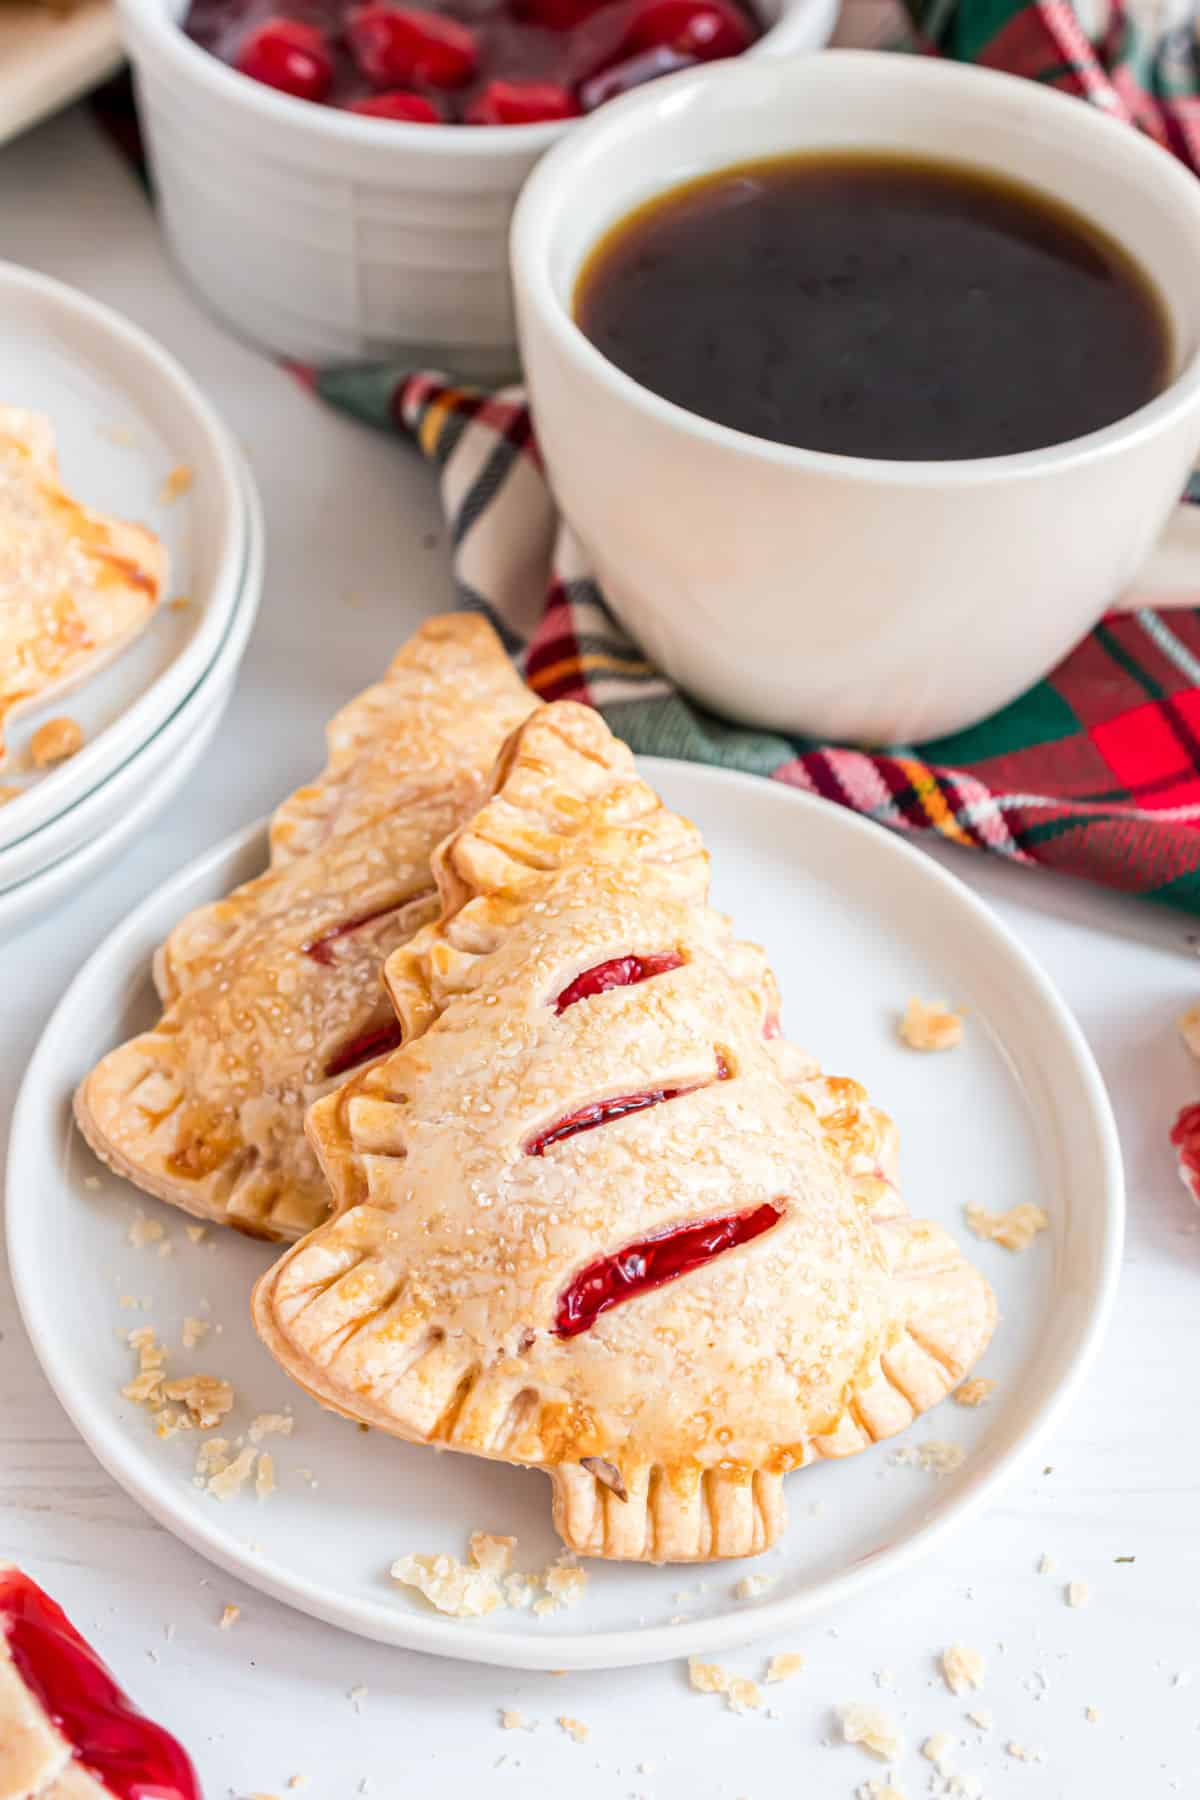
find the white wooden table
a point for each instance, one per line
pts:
(355, 561)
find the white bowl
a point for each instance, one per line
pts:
(89, 837)
(330, 237)
(125, 415)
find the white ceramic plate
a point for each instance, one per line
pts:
(855, 921)
(132, 798)
(125, 416)
(49, 55)
(107, 804)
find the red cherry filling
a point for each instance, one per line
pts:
(128, 1754)
(619, 971)
(321, 948)
(363, 1048)
(288, 55)
(520, 103)
(1185, 1135)
(652, 1262)
(600, 1112)
(412, 109)
(402, 46)
(603, 1112)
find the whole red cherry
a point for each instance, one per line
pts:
(397, 46)
(520, 103)
(289, 56)
(413, 109)
(703, 29)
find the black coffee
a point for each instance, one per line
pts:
(877, 306)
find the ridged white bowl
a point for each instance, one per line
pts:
(329, 237)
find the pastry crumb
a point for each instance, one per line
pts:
(879, 1790)
(196, 1233)
(1092, 1715)
(936, 1456)
(743, 1695)
(297, 1781)
(92, 1183)
(930, 1027)
(176, 484)
(962, 1668)
(872, 1729)
(8, 792)
(782, 1668)
(511, 1720)
(937, 1750)
(1078, 1593)
(1189, 1028)
(982, 1719)
(193, 1331)
(207, 1397)
(751, 1586)
(264, 1478)
(1012, 1230)
(574, 1728)
(265, 1424)
(564, 1586)
(145, 1231)
(1046, 1564)
(180, 603)
(229, 1617)
(488, 1580)
(706, 1677)
(976, 1392)
(1020, 1753)
(230, 1479)
(212, 1456)
(490, 1553)
(449, 1585)
(55, 740)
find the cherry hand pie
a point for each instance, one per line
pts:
(67, 1732)
(594, 1215)
(75, 587)
(273, 994)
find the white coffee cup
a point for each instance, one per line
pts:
(851, 597)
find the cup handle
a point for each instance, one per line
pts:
(1170, 576)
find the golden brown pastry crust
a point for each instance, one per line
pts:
(75, 587)
(432, 1304)
(273, 993)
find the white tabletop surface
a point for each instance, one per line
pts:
(355, 559)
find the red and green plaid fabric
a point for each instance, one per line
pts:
(1094, 772)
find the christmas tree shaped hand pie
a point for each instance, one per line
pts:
(272, 994)
(589, 1221)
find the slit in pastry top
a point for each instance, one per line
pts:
(618, 971)
(638, 1268)
(617, 1106)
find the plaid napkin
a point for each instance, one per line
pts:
(1095, 771)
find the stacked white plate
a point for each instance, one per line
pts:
(136, 438)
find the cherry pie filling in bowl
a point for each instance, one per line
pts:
(466, 62)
